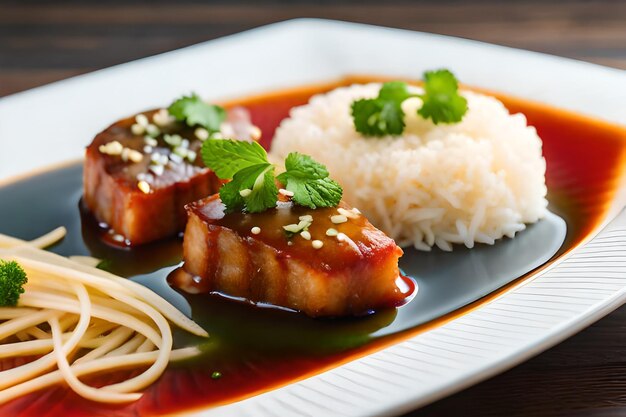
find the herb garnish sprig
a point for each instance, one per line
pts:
(12, 280)
(383, 115)
(253, 181)
(195, 112)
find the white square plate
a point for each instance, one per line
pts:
(51, 124)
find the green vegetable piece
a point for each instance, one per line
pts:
(309, 182)
(442, 101)
(12, 280)
(216, 375)
(195, 112)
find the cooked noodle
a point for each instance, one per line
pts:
(78, 321)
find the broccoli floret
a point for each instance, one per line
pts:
(12, 280)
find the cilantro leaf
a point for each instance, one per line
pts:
(259, 179)
(442, 102)
(226, 156)
(382, 115)
(303, 166)
(309, 182)
(196, 112)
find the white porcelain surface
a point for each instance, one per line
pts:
(53, 123)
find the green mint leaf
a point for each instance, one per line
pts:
(442, 102)
(382, 115)
(309, 182)
(259, 179)
(12, 280)
(225, 157)
(195, 112)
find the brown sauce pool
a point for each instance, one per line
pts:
(258, 349)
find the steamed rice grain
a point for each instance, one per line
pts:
(435, 185)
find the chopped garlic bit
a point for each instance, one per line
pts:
(144, 187)
(201, 133)
(112, 148)
(338, 219)
(173, 140)
(137, 129)
(332, 232)
(286, 193)
(305, 235)
(255, 230)
(163, 118)
(351, 214)
(245, 192)
(303, 225)
(191, 155)
(317, 244)
(148, 149)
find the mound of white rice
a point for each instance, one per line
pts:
(475, 181)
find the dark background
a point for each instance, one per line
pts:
(41, 42)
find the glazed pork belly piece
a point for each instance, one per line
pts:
(337, 265)
(140, 172)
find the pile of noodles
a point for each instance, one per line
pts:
(77, 320)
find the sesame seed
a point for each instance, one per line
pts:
(162, 118)
(150, 141)
(156, 158)
(144, 187)
(148, 149)
(348, 213)
(286, 193)
(135, 156)
(163, 159)
(125, 154)
(245, 192)
(137, 129)
(191, 156)
(157, 169)
(332, 232)
(255, 230)
(306, 235)
(338, 218)
(153, 130)
(317, 244)
(118, 238)
(341, 237)
(255, 133)
(290, 243)
(111, 148)
(201, 133)
(184, 143)
(141, 119)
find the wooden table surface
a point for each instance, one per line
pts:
(47, 41)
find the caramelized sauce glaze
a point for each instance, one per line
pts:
(584, 158)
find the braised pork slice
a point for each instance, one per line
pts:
(140, 172)
(326, 262)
